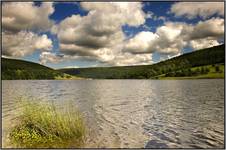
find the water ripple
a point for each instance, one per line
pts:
(134, 113)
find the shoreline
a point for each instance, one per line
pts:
(163, 78)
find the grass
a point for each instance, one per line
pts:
(212, 74)
(210, 67)
(67, 77)
(42, 126)
(207, 76)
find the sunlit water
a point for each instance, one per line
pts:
(132, 113)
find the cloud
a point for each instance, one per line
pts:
(88, 32)
(121, 12)
(151, 15)
(146, 27)
(140, 43)
(17, 16)
(74, 66)
(203, 43)
(98, 36)
(163, 18)
(101, 27)
(213, 27)
(132, 59)
(195, 9)
(166, 40)
(21, 22)
(50, 57)
(172, 37)
(169, 41)
(24, 43)
(177, 35)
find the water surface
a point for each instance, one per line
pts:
(132, 113)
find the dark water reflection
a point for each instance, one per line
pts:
(133, 113)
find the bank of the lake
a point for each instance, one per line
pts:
(192, 78)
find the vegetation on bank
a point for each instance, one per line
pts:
(42, 126)
(172, 67)
(66, 77)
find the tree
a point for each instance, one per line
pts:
(207, 70)
(202, 70)
(217, 68)
(197, 71)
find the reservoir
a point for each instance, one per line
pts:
(130, 113)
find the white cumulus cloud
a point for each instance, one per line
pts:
(21, 23)
(141, 42)
(98, 35)
(213, 27)
(195, 9)
(172, 37)
(24, 43)
(50, 57)
(203, 43)
(17, 16)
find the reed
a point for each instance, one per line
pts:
(42, 126)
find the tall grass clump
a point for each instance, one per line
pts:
(42, 126)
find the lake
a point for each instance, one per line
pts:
(131, 113)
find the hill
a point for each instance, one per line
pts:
(13, 69)
(180, 66)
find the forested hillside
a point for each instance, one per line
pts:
(176, 67)
(13, 69)
(206, 63)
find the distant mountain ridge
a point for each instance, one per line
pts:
(208, 56)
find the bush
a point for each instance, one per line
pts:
(42, 126)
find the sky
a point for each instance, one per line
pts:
(99, 34)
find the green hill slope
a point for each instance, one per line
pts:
(13, 69)
(178, 66)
